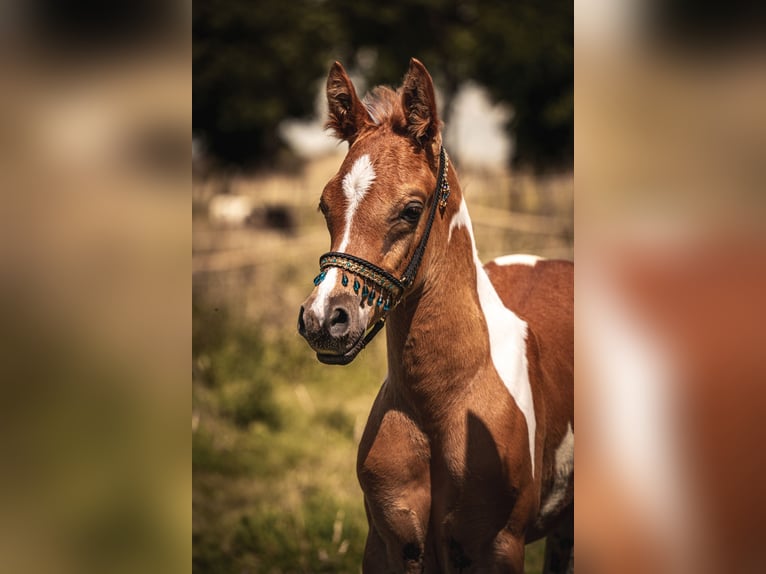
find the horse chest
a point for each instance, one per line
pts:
(448, 495)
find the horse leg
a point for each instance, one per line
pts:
(559, 547)
(398, 548)
(503, 555)
(375, 559)
(508, 555)
(393, 467)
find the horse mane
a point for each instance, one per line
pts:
(384, 106)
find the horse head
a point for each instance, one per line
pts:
(379, 209)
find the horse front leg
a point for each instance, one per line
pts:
(504, 555)
(393, 468)
(559, 547)
(396, 538)
(375, 560)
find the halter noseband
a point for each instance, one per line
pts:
(377, 281)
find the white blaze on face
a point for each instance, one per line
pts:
(355, 185)
(507, 336)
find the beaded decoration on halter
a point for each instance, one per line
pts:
(375, 281)
(378, 287)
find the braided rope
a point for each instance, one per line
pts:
(358, 266)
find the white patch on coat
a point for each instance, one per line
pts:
(507, 336)
(517, 259)
(355, 185)
(562, 490)
(462, 219)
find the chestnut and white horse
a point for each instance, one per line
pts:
(468, 453)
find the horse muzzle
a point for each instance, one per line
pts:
(334, 327)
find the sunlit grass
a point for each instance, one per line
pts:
(274, 463)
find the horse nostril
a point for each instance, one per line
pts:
(301, 324)
(339, 317)
(339, 322)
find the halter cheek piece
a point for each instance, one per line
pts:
(376, 282)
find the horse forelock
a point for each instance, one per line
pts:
(384, 106)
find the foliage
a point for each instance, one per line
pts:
(257, 63)
(230, 358)
(535, 73)
(273, 451)
(521, 50)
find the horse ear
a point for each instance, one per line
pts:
(347, 112)
(419, 104)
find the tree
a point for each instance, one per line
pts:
(526, 57)
(521, 50)
(255, 64)
(381, 38)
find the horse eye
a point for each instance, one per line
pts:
(411, 213)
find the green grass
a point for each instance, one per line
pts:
(273, 451)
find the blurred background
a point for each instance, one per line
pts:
(95, 329)
(274, 432)
(671, 271)
(96, 120)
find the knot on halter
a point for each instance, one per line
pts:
(377, 281)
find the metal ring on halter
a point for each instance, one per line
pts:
(380, 279)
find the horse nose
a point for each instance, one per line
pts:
(328, 324)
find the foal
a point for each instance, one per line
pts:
(468, 453)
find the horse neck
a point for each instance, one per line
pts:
(435, 342)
